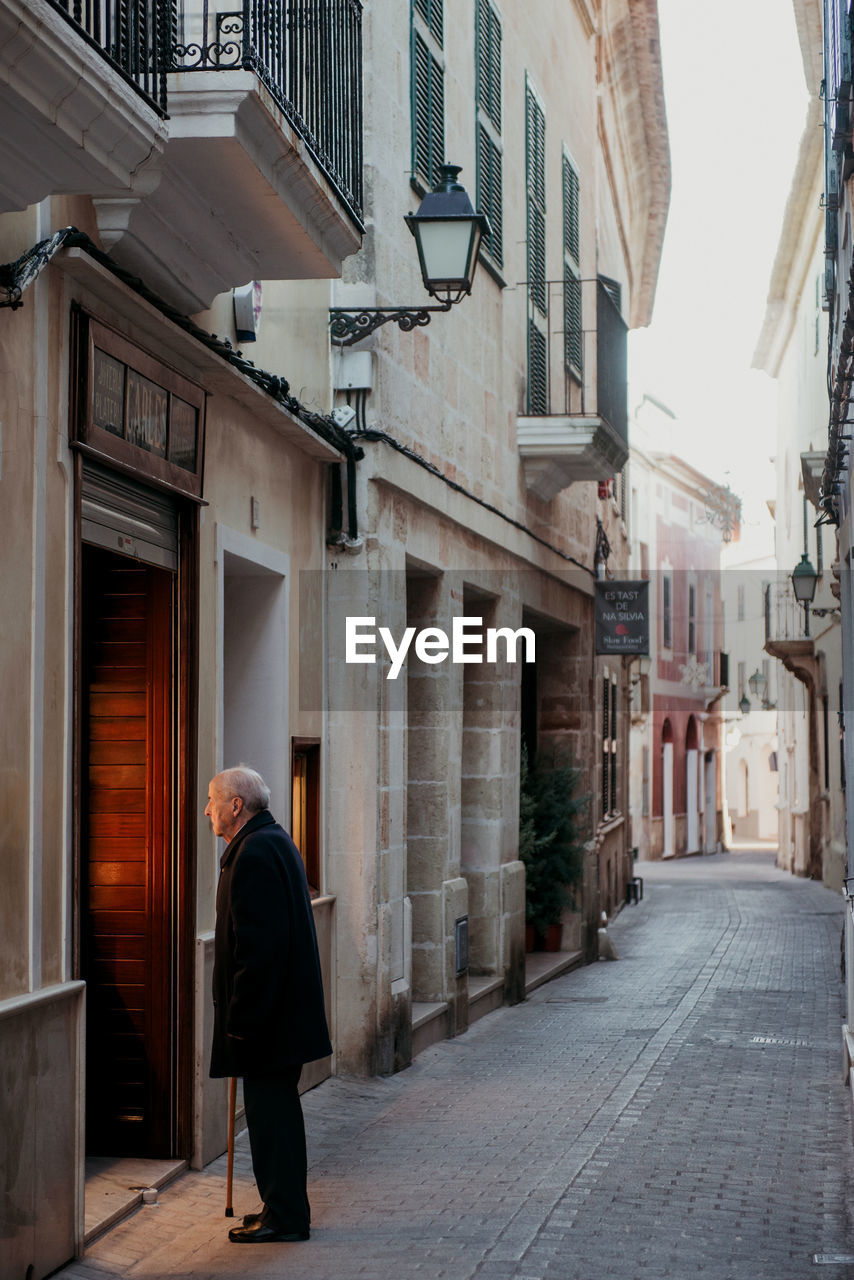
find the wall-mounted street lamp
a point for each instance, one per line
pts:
(758, 684)
(447, 235)
(804, 582)
(744, 704)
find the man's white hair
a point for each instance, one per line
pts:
(248, 784)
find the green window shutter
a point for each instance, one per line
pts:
(538, 400)
(535, 172)
(432, 13)
(489, 181)
(428, 113)
(490, 161)
(573, 341)
(535, 149)
(488, 62)
(570, 210)
(614, 290)
(537, 257)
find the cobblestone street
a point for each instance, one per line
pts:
(678, 1113)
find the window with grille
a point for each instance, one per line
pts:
(488, 126)
(692, 618)
(666, 611)
(573, 349)
(428, 92)
(609, 746)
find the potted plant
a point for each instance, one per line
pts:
(551, 846)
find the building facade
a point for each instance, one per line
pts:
(486, 435)
(807, 646)
(677, 760)
(165, 494)
(828, 61)
(190, 529)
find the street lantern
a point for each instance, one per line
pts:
(744, 704)
(447, 233)
(804, 582)
(758, 684)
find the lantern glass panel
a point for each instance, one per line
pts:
(445, 250)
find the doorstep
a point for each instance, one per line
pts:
(486, 994)
(114, 1186)
(429, 1024)
(542, 966)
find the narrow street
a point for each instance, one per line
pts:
(678, 1113)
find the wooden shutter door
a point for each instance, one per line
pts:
(126, 828)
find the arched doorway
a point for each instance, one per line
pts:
(692, 787)
(668, 845)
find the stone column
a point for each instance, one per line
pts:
(490, 803)
(437, 894)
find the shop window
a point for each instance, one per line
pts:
(305, 807)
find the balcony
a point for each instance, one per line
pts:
(254, 174)
(786, 635)
(261, 173)
(575, 424)
(81, 99)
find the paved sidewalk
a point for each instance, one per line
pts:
(678, 1113)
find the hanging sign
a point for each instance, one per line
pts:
(622, 617)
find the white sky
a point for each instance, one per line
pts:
(736, 105)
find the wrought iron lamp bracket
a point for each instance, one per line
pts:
(349, 327)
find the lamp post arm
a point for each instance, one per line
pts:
(349, 327)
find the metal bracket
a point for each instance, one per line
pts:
(349, 327)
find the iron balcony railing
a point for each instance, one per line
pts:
(133, 35)
(575, 369)
(785, 618)
(308, 54)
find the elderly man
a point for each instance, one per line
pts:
(268, 997)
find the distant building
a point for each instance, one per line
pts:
(793, 349)
(678, 521)
(751, 792)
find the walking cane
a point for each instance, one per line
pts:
(229, 1179)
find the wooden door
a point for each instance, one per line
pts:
(127, 854)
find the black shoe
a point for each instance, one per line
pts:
(249, 1218)
(258, 1233)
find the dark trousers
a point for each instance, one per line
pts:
(277, 1141)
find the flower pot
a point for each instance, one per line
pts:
(553, 938)
(548, 941)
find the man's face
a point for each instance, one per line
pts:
(224, 811)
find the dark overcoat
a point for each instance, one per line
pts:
(267, 987)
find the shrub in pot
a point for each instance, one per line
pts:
(552, 818)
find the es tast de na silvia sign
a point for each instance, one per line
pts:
(622, 617)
